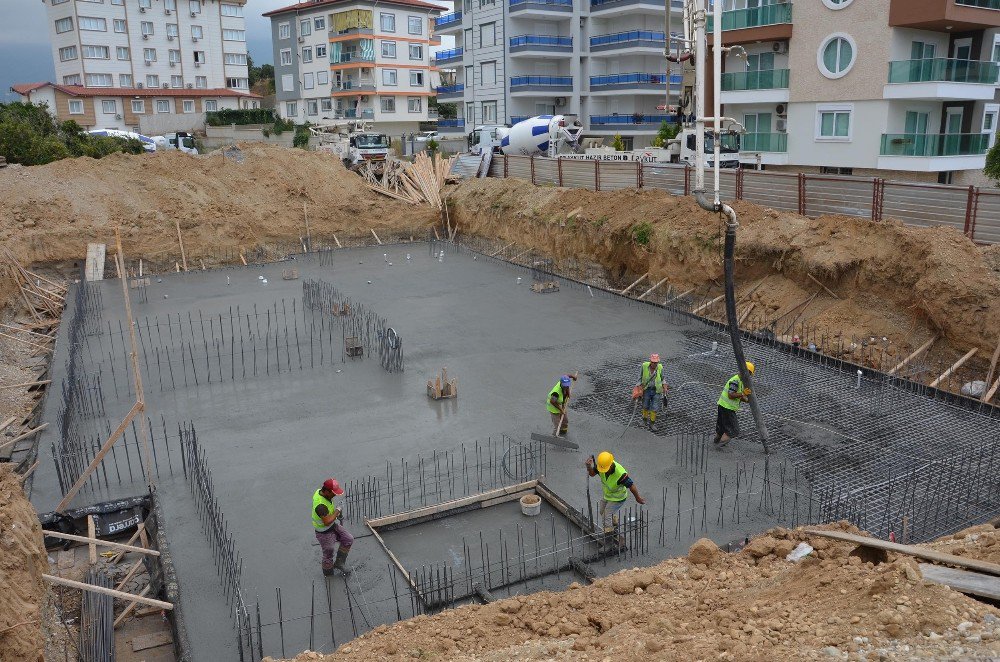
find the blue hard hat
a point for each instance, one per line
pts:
(565, 380)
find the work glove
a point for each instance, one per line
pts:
(746, 392)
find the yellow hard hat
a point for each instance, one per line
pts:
(604, 461)
(750, 367)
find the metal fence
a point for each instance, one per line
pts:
(972, 210)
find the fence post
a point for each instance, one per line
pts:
(531, 160)
(638, 175)
(597, 175)
(505, 166)
(739, 183)
(970, 212)
(687, 179)
(802, 194)
(878, 196)
(559, 167)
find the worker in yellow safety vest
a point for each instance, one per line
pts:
(330, 531)
(558, 402)
(727, 425)
(616, 485)
(651, 383)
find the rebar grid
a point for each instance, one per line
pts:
(97, 614)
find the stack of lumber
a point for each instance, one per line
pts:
(42, 296)
(419, 182)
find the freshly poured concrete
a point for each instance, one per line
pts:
(271, 440)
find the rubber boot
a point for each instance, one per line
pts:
(652, 419)
(328, 571)
(645, 414)
(341, 559)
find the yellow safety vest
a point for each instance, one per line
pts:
(557, 391)
(657, 378)
(317, 520)
(725, 400)
(609, 481)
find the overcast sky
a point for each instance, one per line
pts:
(25, 55)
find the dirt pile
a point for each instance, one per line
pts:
(22, 563)
(712, 605)
(49, 213)
(893, 281)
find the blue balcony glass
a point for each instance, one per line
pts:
(540, 42)
(630, 38)
(448, 20)
(458, 123)
(633, 119)
(450, 54)
(637, 80)
(563, 6)
(528, 83)
(595, 5)
(753, 17)
(443, 90)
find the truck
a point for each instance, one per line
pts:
(355, 142)
(180, 140)
(148, 144)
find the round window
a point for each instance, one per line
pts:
(837, 4)
(836, 55)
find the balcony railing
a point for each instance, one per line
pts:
(942, 70)
(676, 5)
(765, 142)
(448, 19)
(934, 144)
(546, 81)
(452, 124)
(754, 17)
(346, 58)
(632, 80)
(450, 54)
(634, 119)
(363, 84)
(741, 81)
(548, 41)
(451, 89)
(556, 4)
(629, 38)
(981, 4)
(365, 114)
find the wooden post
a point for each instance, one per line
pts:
(637, 281)
(955, 366)
(993, 365)
(920, 350)
(107, 591)
(828, 290)
(706, 305)
(376, 237)
(993, 390)
(305, 215)
(643, 295)
(128, 610)
(23, 436)
(337, 241)
(3, 426)
(180, 240)
(92, 534)
(94, 541)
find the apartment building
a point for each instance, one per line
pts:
(600, 60)
(146, 65)
(890, 88)
(344, 59)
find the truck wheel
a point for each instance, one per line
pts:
(348, 164)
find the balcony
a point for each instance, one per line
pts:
(526, 85)
(528, 44)
(631, 123)
(608, 8)
(365, 114)
(945, 15)
(624, 42)
(451, 55)
(451, 92)
(764, 142)
(941, 78)
(353, 87)
(352, 58)
(767, 86)
(634, 82)
(982, 4)
(754, 17)
(448, 22)
(933, 152)
(451, 126)
(542, 7)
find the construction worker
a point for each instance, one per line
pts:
(727, 425)
(651, 383)
(558, 403)
(616, 484)
(330, 531)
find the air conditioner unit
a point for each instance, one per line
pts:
(173, 64)
(780, 47)
(364, 98)
(190, 86)
(118, 117)
(142, 10)
(140, 85)
(780, 110)
(194, 15)
(145, 36)
(166, 86)
(170, 37)
(781, 124)
(560, 101)
(167, 12)
(197, 64)
(149, 63)
(302, 40)
(194, 39)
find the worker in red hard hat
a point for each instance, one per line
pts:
(652, 387)
(327, 521)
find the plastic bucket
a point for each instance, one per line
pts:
(531, 504)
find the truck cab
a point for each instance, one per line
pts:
(486, 137)
(369, 146)
(729, 149)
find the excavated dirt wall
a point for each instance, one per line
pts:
(22, 563)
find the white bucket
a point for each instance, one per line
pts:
(531, 504)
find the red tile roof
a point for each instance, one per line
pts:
(324, 3)
(81, 91)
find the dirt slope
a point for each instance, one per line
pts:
(22, 563)
(754, 605)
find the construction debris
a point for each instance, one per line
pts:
(418, 182)
(440, 387)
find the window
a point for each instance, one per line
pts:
(414, 104)
(120, 26)
(237, 83)
(326, 105)
(116, 2)
(320, 51)
(145, 4)
(73, 79)
(312, 107)
(146, 28)
(96, 53)
(194, 6)
(172, 30)
(489, 112)
(138, 106)
(291, 109)
(487, 34)
(308, 81)
(284, 30)
(232, 10)
(177, 81)
(470, 75)
(64, 24)
(837, 4)
(322, 78)
(174, 56)
(416, 52)
(833, 122)
(307, 54)
(836, 55)
(188, 105)
(124, 80)
(109, 107)
(93, 24)
(163, 105)
(58, 2)
(123, 53)
(170, 4)
(75, 107)
(414, 25)
(388, 76)
(470, 111)
(828, 170)
(68, 53)
(234, 35)
(100, 80)
(388, 104)
(152, 80)
(320, 24)
(236, 58)
(199, 57)
(467, 40)
(201, 82)
(211, 105)
(305, 28)
(288, 83)
(387, 22)
(389, 49)
(416, 79)
(285, 57)
(197, 32)
(488, 73)
(149, 54)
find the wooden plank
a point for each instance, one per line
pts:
(452, 505)
(152, 640)
(119, 555)
(30, 471)
(964, 581)
(706, 305)
(993, 367)
(26, 385)
(637, 281)
(93, 540)
(338, 241)
(128, 610)
(993, 390)
(23, 436)
(828, 290)
(61, 581)
(92, 534)
(917, 352)
(644, 294)
(392, 557)
(26, 342)
(180, 240)
(376, 237)
(746, 313)
(955, 366)
(801, 311)
(131, 571)
(3, 426)
(911, 550)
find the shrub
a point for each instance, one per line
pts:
(29, 135)
(667, 132)
(228, 116)
(433, 145)
(642, 233)
(992, 169)
(618, 143)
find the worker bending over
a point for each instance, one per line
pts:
(616, 484)
(727, 425)
(651, 383)
(329, 531)
(558, 403)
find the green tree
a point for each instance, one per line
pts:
(992, 169)
(618, 144)
(666, 133)
(446, 111)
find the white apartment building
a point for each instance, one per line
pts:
(600, 60)
(148, 65)
(355, 59)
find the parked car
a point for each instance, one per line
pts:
(425, 136)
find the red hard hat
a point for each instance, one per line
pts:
(333, 486)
